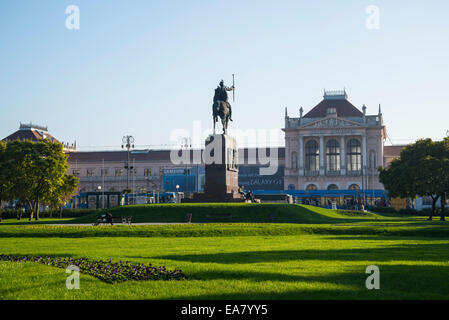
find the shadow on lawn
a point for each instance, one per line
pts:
(396, 282)
(406, 252)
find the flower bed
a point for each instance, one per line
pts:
(106, 271)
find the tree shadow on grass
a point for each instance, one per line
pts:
(406, 252)
(396, 282)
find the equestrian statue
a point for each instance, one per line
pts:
(221, 107)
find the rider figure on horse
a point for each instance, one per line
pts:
(222, 95)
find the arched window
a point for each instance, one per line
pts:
(372, 159)
(332, 155)
(354, 187)
(311, 187)
(294, 160)
(312, 156)
(354, 155)
(332, 187)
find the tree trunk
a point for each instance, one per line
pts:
(443, 206)
(37, 210)
(434, 202)
(31, 205)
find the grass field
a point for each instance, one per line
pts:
(313, 254)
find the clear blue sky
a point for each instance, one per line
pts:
(147, 67)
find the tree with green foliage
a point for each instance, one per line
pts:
(39, 173)
(443, 155)
(4, 175)
(419, 171)
(61, 195)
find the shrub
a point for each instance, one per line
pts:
(66, 213)
(383, 209)
(409, 211)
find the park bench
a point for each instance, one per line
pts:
(116, 219)
(219, 216)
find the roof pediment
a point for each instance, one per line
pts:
(332, 122)
(343, 108)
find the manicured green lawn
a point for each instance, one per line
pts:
(324, 259)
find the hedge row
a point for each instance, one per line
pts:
(66, 213)
(408, 211)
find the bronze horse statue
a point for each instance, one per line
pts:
(221, 107)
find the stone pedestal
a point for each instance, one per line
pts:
(221, 162)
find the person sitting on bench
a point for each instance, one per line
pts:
(250, 196)
(109, 218)
(242, 192)
(106, 218)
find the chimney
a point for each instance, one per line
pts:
(364, 113)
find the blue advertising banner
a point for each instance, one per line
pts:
(251, 179)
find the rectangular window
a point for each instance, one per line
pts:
(76, 172)
(104, 172)
(147, 172)
(427, 201)
(132, 172)
(331, 111)
(118, 172)
(90, 172)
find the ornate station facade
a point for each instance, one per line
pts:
(334, 151)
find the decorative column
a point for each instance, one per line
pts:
(301, 156)
(364, 151)
(364, 160)
(342, 156)
(321, 155)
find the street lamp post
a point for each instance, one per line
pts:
(102, 197)
(128, 143)
(363, 187)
